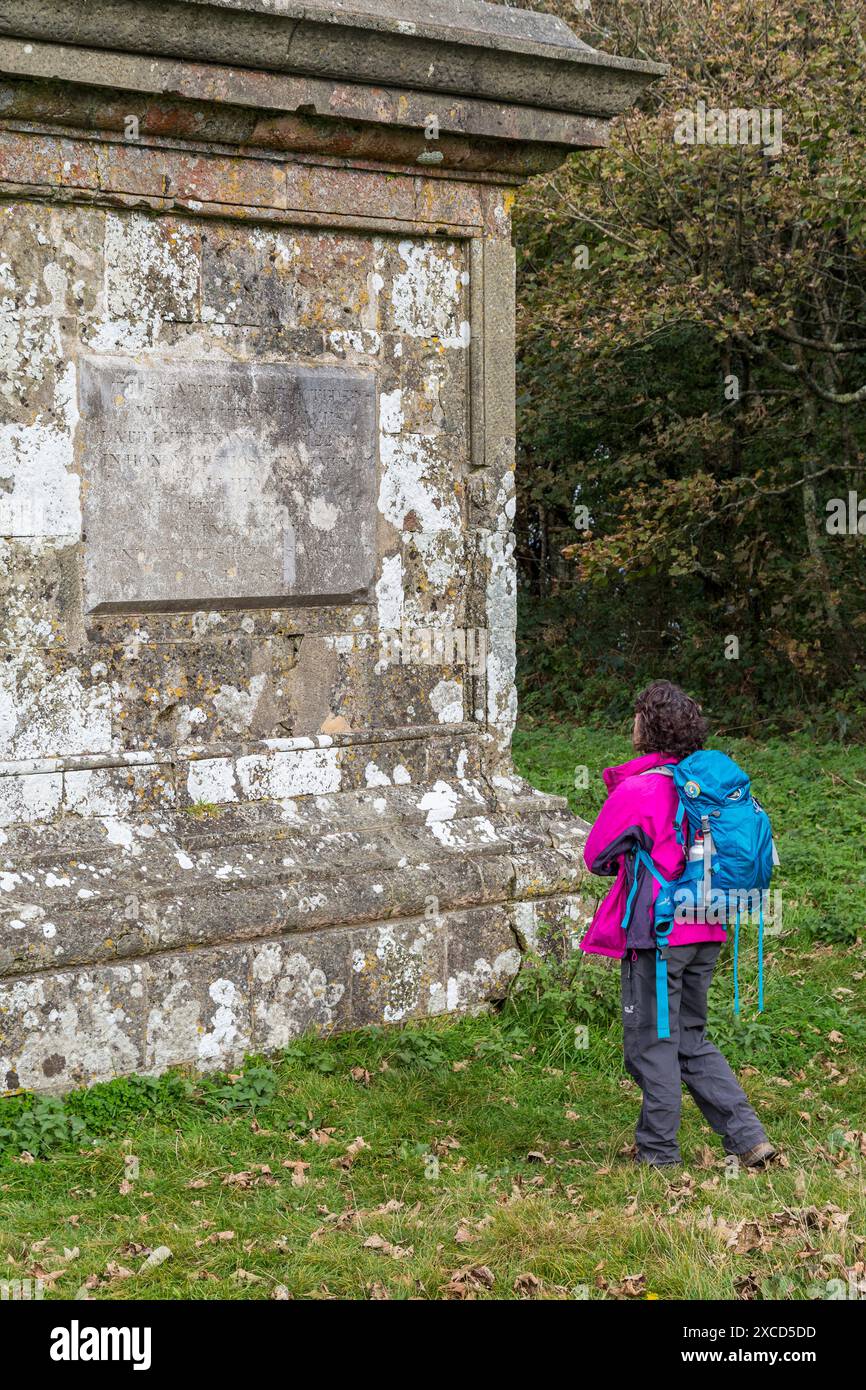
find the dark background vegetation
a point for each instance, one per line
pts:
(706, 516)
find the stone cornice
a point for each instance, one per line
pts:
(468, 49)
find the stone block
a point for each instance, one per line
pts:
(300, 985)
(72, 1028)
(198, 1008)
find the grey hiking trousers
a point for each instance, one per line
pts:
(660, 1066)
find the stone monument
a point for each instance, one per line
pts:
(257, 591)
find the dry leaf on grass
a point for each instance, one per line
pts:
(257, 1176)
(527, 1286)
(322, 1136)
(215, 1237)
(748, 1286)
(299, 1171)
(440, 1147)
(467, 1282)
(631, 1286)
(384, 1247)
(465, 1236)
(348, 1158)
(45, 1276)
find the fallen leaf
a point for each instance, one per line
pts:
(465, 1283)
(348, 1158)
(464, 1236)
(527, 1286)
(397, 1252)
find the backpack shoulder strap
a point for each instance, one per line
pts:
(667, 771)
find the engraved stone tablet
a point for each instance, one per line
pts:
(209, 484)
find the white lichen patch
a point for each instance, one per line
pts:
(501, 605)
(469, 988)
(391, 418)
(427, 294)
(97, 792)
(44, 713)
(322, 514)
(465, 834)
(199, 1012)
(67, 1028)
(292, 992)
(151, 268)
(412, 485)
(375, 777)
(31, 798)
(446, 698)
(211, 781)
(236, 707)
(302, 772)
(39, 491)
(389, 594)
(440, 802)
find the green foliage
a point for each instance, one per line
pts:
(419, 1052)
(705, 502)
(110, 1105)
(553, 1006)
(306, 1052)
(39, 1125)
(253, 1090)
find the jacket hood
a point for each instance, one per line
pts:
(614, 775)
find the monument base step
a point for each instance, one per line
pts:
(195, 937)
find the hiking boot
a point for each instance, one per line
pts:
(759, 1156)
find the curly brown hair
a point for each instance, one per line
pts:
(670, 721)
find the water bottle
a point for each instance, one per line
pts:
(696, 856)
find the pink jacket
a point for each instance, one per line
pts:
(639, 811)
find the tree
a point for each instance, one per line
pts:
(692, 383)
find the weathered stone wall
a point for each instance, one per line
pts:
(136, 296)
(257, 590)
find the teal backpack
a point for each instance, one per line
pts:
(730, 856)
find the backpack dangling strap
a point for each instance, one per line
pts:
(663, 1023)
(629, 902)
(737, 961)
(761, 957)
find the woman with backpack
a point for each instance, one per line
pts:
(640, 838)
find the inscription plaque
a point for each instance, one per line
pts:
(210, 484)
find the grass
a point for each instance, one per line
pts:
(485, 1157)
